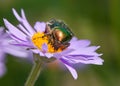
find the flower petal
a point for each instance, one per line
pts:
(86, 51)
(81, 43)
(48, 55)
(74, 59)
(73, 39)
(67, 51)
(13, 30)
(44, 48)
(16, 51)
(24, 21)
(40, 26)
(44, 51)
(70, 68)
(2, 69)
(2, 56)
(24, 30)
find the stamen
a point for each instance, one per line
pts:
(40, 38)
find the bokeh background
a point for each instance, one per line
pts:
(96, 20)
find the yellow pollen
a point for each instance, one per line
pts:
(40, 38)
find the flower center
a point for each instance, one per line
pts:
(40, 38)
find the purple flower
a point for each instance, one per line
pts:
(34, 39)
(6, 48)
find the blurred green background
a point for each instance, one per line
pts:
(96, 20)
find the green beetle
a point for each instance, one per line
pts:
(59, 33)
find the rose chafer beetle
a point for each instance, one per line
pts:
(59, 34)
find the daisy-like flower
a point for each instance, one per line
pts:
(6, 48)
(35, 39)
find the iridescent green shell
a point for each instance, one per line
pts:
(63, 29)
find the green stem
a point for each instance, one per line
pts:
(35, 72)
